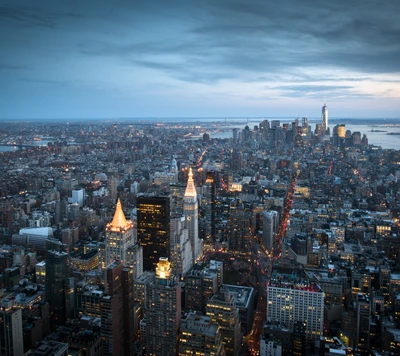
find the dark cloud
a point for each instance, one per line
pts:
(308, 48)
(26, 17)
(239, 39)
(320, 91)
(30, 16)
(356, 35)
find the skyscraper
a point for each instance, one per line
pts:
(112, 185)
(324, 118)
(180, 247)
(191, 212)
(121, 243)
(119, 237)
(270, 228)
(222, 310)
(363, 323)
(235, 134)
(342, 130)
(11, 333)
(57, 271)
(153, 221)
(163, 312)
(128, 309)
(174, 169)
(289, 302)
(236, 160)
(201, 284)
(264, 128)
(305, 128)
(200, 336)
(111, 307)
(117, 311)
(238, 230)
(339, 133)
(207, 209)
(78, 197)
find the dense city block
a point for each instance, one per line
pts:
(231, 237)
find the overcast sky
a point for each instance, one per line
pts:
(207, 58)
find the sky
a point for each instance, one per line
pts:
(210, 58)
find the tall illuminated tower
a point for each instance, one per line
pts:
(163, 312)
(208, 202)
(119, 237)
(324, 118)
(191, 212)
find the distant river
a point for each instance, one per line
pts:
(8, 148)
(15, 148)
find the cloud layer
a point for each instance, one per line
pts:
(190, 58)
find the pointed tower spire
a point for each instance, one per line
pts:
(119, 219)
(190, 188)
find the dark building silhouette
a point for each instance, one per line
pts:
(200, 336)
(223, 311)
(153, 226)
(11, 334)
(201, 284)
(299, 341)
(57, 273)
(239, 231)
(236, 160)
(210, 196)
(128, 310)
(111, 307)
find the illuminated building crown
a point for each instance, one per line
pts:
(163, 269)
(190, 188)
(119, 221)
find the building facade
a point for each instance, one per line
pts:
(270, 228)
(200, 336)
(163, 312)
(57, 271)
(288, 303)
(153, 222)
(191, 212)
(324, 118)
(180, 246)
(11, 333)
(121, 236)
(222, 310)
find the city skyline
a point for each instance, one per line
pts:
(95, 59)
(125, 239)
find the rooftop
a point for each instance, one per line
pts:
(119, 221)
(39, 231)
(241, 295)
(303, 286)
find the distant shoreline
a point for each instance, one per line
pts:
(182, 120)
